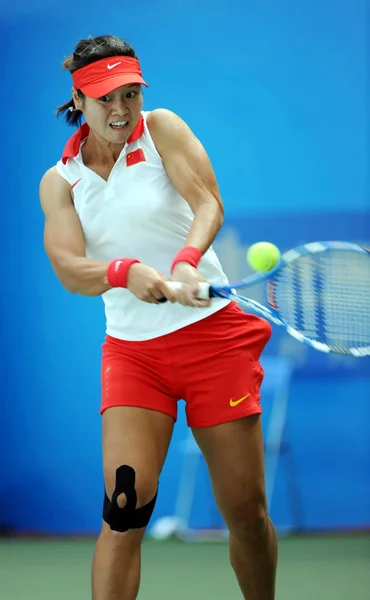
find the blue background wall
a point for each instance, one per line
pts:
(278, 93)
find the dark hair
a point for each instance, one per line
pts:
(85, 53)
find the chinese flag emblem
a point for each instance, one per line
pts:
(135, 157)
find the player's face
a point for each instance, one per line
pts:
(113, 117)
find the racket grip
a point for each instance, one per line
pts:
(203, 289)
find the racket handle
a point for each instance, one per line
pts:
(203, 289)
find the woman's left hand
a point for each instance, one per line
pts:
(190, 277)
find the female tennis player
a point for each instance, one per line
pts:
(132, 204)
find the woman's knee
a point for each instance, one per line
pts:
(247, 516)
(129, 498)
(125, 482)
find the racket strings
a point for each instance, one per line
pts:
(326, 297)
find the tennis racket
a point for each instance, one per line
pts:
(319, 293)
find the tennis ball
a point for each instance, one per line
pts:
(263, 256)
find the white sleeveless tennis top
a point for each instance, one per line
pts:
(137, 213)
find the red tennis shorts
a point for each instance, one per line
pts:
(212, 364)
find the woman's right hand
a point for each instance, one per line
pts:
(148, 284)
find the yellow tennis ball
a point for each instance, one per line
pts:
(263, 256)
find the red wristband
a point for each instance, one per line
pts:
(189, 254)
(117, 271)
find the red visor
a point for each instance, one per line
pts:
(103, 76)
